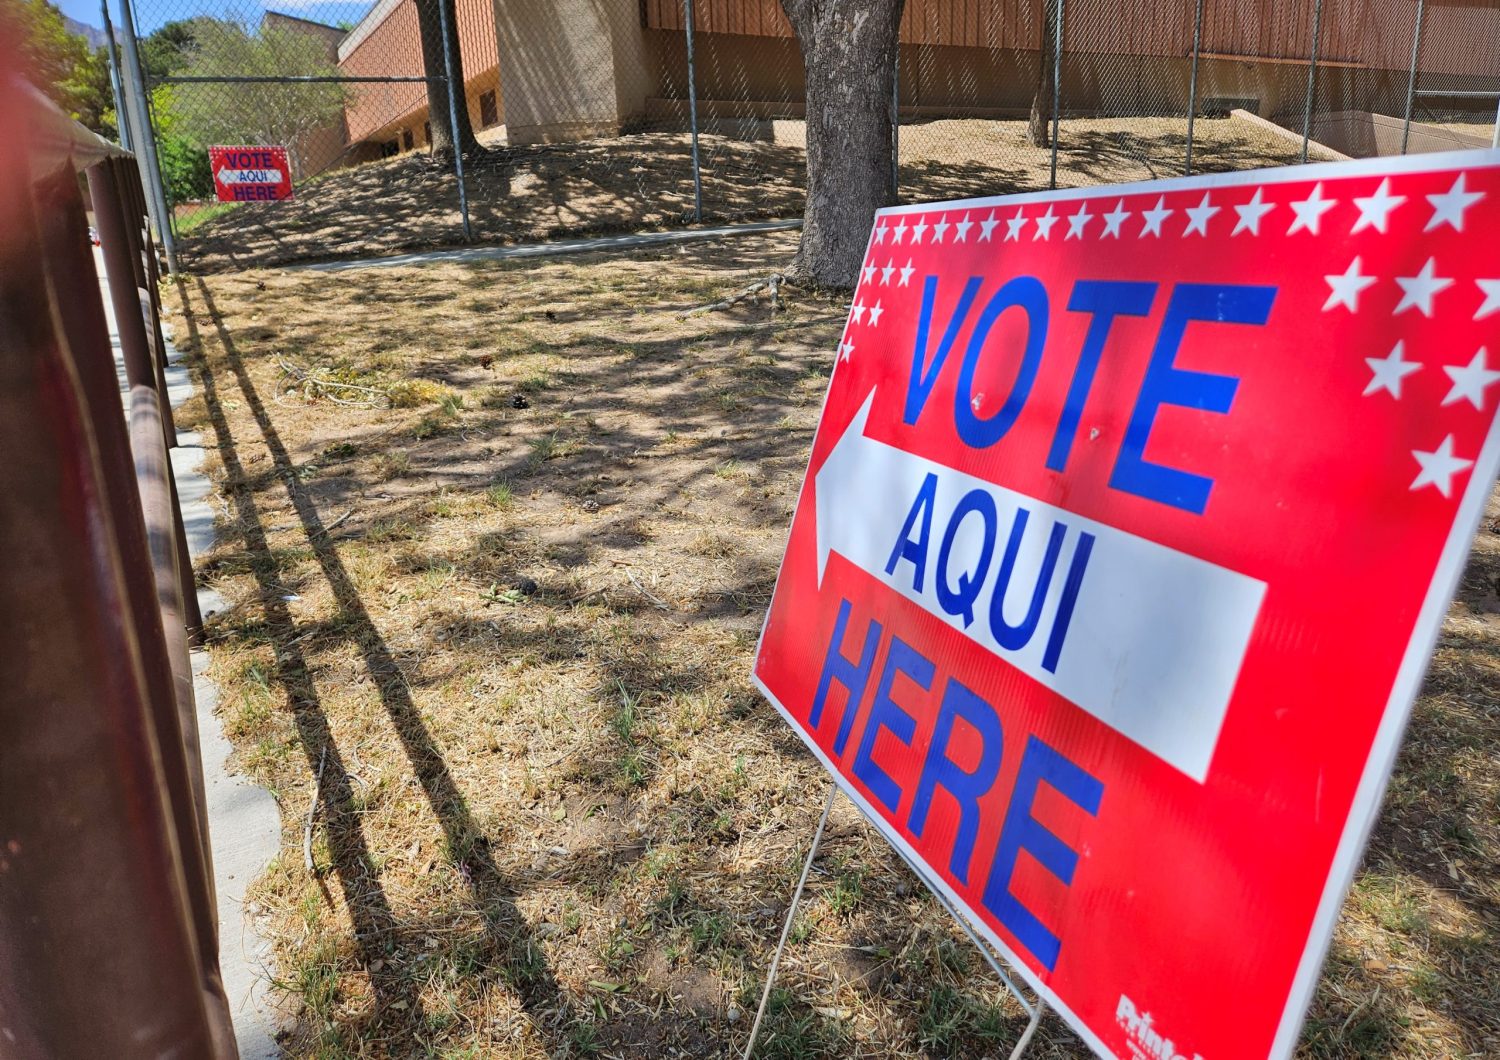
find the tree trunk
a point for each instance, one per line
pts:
(1039, 129)
(849, 52)
(430, 24)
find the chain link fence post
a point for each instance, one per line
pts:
(458, 147)
(1312, 78)
(1411, 84)
(142, 135)
(1192, 107)
(692, 88)
(1057, 43)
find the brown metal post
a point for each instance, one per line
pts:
(152, 466)
(98, 951)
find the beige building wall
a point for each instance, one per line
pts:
(571, 68)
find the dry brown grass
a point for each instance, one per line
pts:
(556, 819)
(645, 181)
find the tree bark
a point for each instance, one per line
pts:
(849, 53)
(430, 25)
(1039, 129)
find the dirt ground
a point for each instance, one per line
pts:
(644, 181)
(510, 622)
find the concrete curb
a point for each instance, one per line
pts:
(244, 822)
(547, 250)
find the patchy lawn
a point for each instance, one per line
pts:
(510, 621)
(645, 181)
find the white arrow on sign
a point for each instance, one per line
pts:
(250, 176)
(1150, 641)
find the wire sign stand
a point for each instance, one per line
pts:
(1034, 1010)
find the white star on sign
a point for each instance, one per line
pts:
(906, 274)
(858, 312)
(1199, 216)
(1375, 210)
(1014, 225)
(1389, 371)
(1044, 225)
(1491, 304)
(1154, 217)
(899, 232)
(880, 232)
(1345, 288)
(1439, 467)
(1470, 381)
(918, 228)
(987, 228)
(976, 401)
(845, 349)
(1114, 219)
(1250, 214)
(1418, 290)
(869, 271)
(1449, 207)
(963, 230)
(885, 273)
(1310, 211)
(1077, 222)
(940, 229)
(875, 312)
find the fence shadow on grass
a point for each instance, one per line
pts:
(386, 946)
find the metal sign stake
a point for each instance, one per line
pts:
(791, 914)
(1034, 1010)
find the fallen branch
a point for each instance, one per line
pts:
(772, 283)
(312, 812)
(320, 387)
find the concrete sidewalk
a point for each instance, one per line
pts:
(243, 821)
(638, 241)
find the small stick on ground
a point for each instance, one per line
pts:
(646, 593)
(312, 812)
(331, 527)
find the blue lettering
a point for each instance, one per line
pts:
(916, 551)
(1065, 606)
(853, 676)
(886, 714)
(959, 600)
(940, 771)
(1015, 637)
(1021, 831)
(923, 374)
(1105, 299)
(1166, 384)
(1025, 293)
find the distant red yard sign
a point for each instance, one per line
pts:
(1130, 524)
(250, 174)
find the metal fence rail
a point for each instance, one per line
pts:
(110, 929)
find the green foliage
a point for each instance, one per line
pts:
(184, 160)
(60, 63)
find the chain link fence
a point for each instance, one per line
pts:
(604, 116)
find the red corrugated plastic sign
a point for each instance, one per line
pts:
(1131, 520)
(250, 174)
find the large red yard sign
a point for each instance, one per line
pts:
(250, 174)
(1131, 520)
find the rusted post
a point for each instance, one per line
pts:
(118, 192)
(153, 471)
(100, 954)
